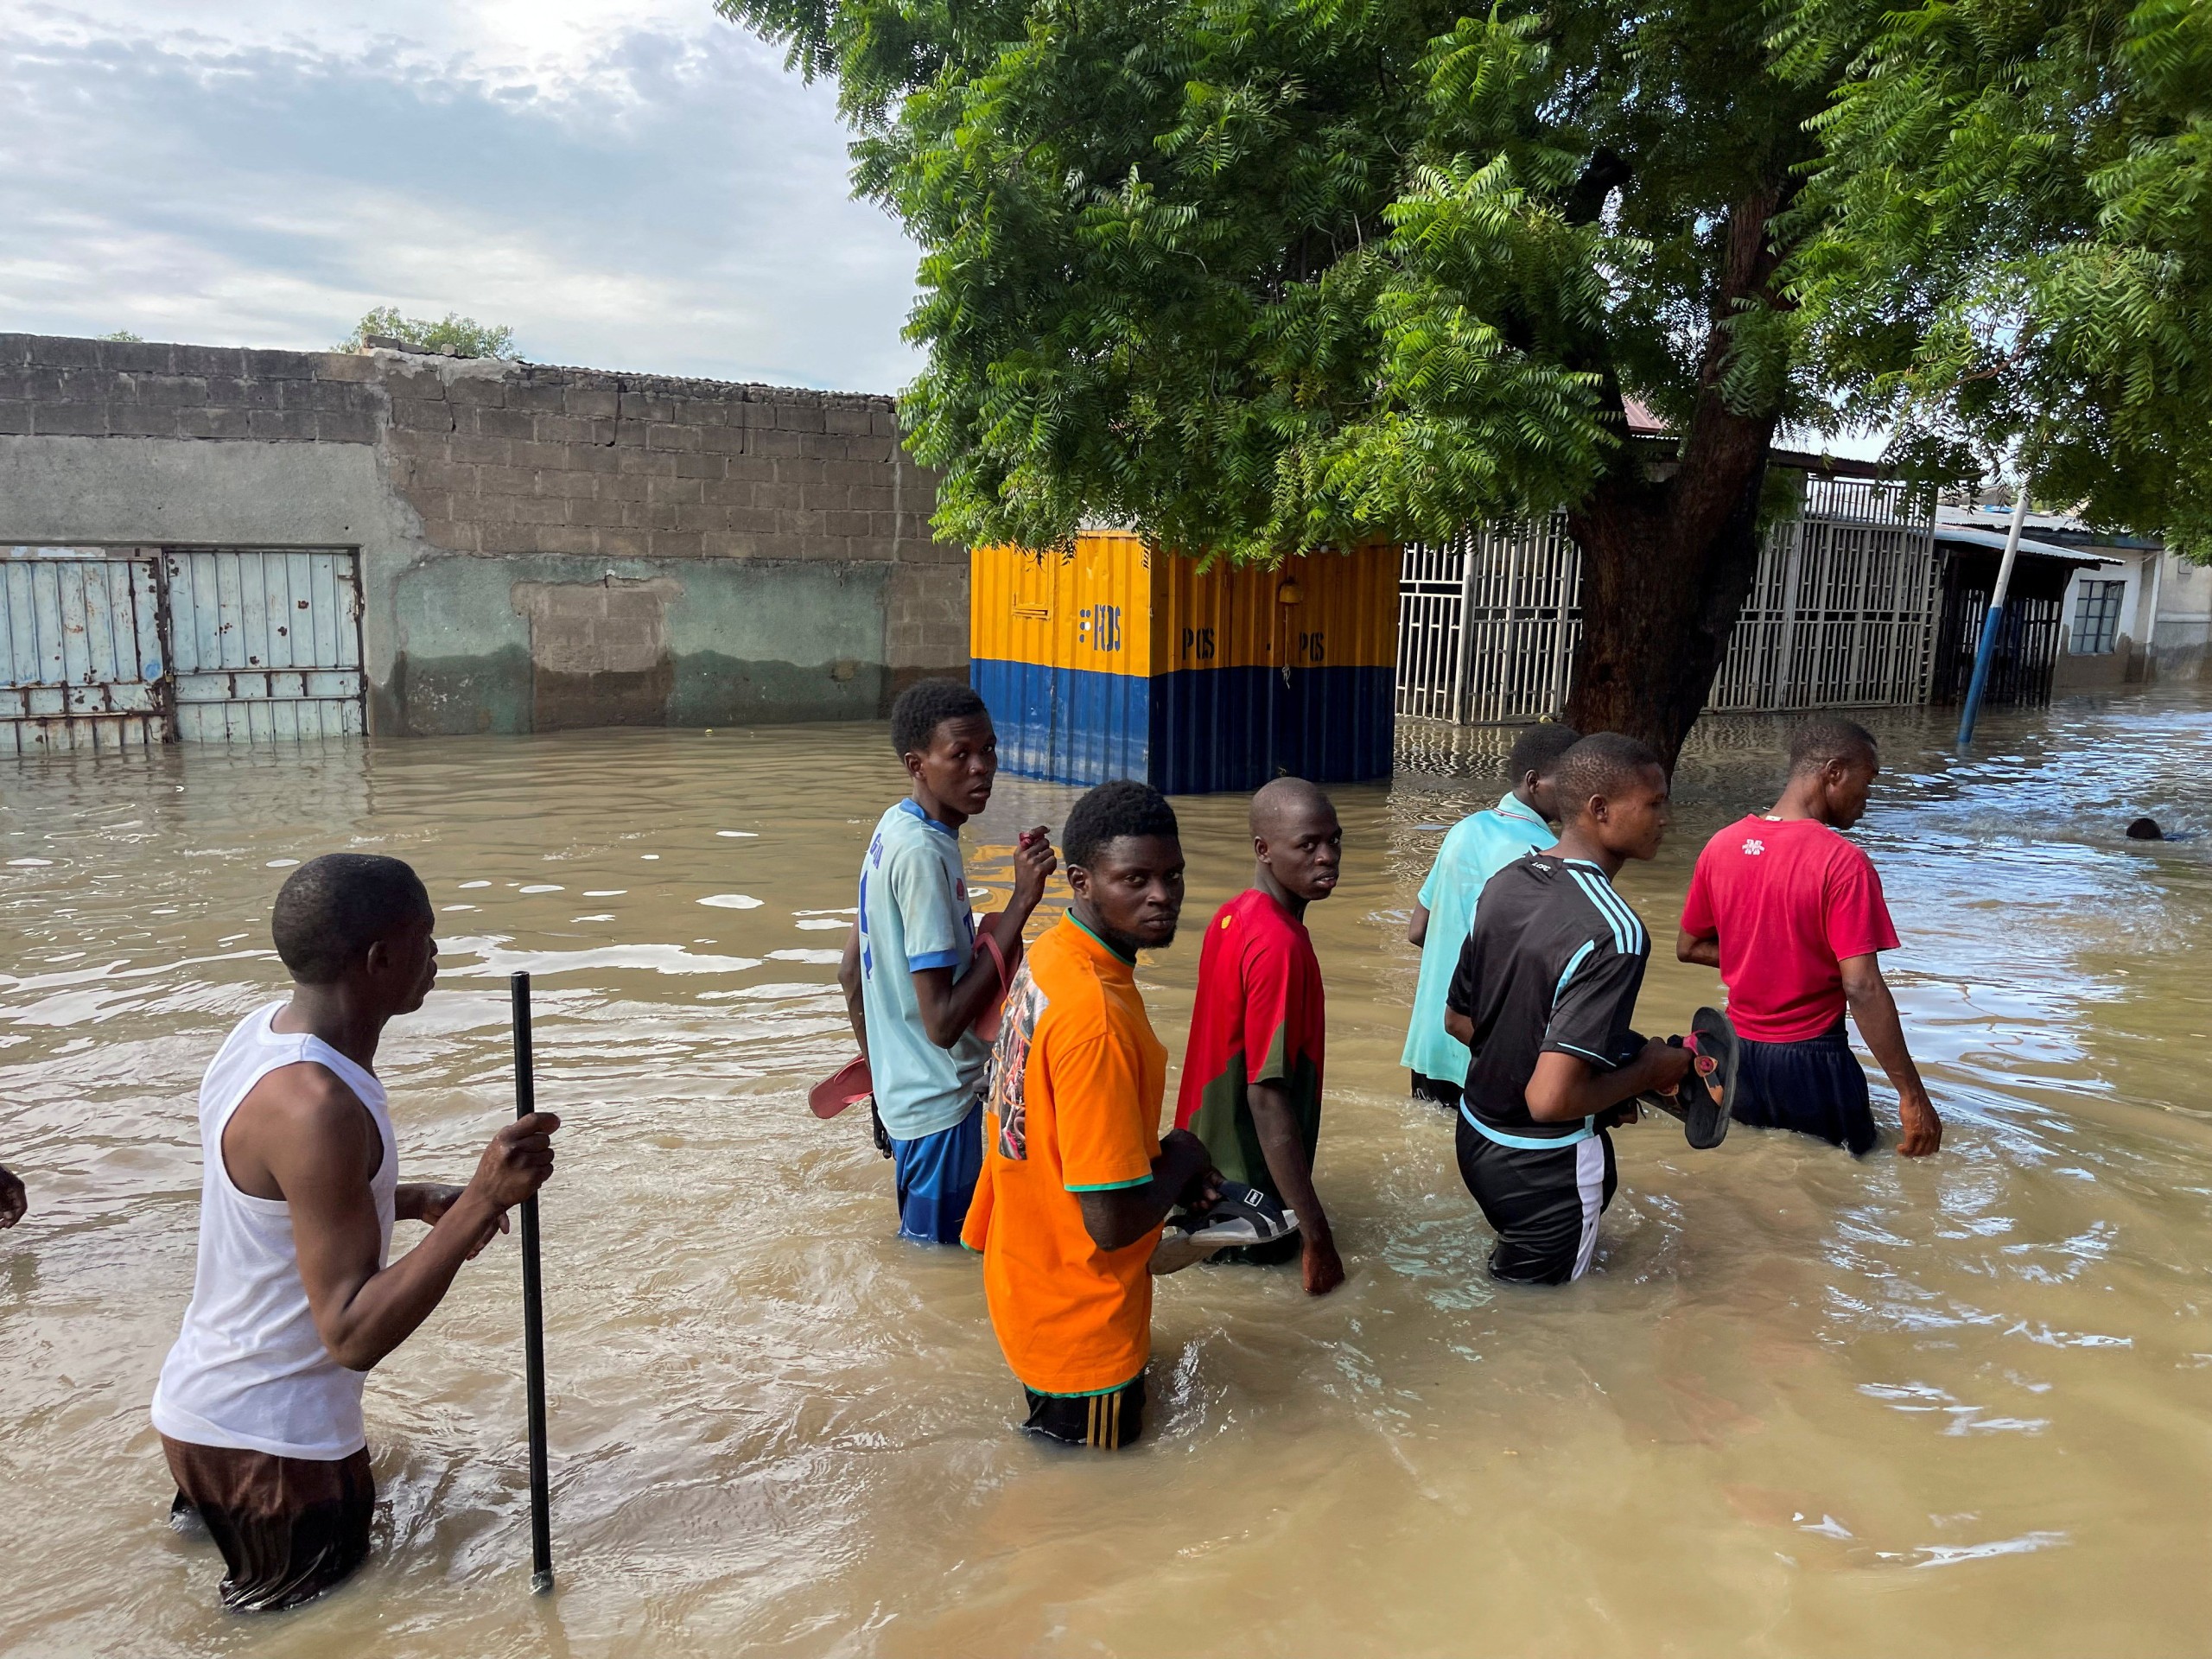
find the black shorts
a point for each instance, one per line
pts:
(1543, 1204)
(1437, 1091)
(1107, 1421)
(1815, 1087)
(289, 1527)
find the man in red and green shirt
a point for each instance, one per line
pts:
(1251, 1086)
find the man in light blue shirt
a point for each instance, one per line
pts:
(1476, 848)
(915, 982)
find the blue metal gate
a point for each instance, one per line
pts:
(113, 648)
(264, 644)
(80, 650)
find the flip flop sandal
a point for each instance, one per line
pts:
(1676, 1102)
(1709, 1091)
(848, 1085)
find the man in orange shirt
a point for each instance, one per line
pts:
(1076, 1178)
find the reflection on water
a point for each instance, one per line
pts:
(1809, 1406)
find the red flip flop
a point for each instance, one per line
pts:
(846, 1086)
(986, 1025)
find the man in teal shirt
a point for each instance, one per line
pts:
(1476, 848)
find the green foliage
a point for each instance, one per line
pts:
(1254, 275)
(461, 336)
(123, 336)
(2010, 242)
(1262, 275)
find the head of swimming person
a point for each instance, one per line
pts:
(945, 740)
(1296, 839)
(1832, 763)
(1534, 765)
(356, 927)
(1612, 798)
(1124, 855)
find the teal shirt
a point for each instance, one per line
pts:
(1476, 848)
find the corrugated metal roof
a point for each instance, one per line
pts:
(1973, 537)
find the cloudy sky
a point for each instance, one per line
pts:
(629, 184)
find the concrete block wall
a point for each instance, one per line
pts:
(542, 547)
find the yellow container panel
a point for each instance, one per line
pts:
(1010, 594)
(1087, 607)
(1316, 610)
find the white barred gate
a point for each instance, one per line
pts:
(1842, 613)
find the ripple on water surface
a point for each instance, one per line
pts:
(1807, 1407)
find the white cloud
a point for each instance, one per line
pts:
(636, 186)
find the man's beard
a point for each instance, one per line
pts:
(1128, 945)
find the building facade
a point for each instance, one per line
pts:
(522, 548)
(2140, 615)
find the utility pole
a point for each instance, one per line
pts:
(1986, 650)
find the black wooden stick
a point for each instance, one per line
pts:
(533, 1315)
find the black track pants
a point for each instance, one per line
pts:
(1543, 1204)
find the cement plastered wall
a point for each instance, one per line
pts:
(2182, 634)
(541, 547)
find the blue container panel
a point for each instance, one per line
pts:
(1234, 729)
(1066, 725)
(1193, 732)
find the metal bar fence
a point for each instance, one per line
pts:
(1842, 613)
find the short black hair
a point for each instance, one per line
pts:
(332, 909)
(924, 706)
(1600, 764)
(1124, 807)
(1829, 737)
(1538, 749)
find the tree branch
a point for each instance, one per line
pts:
(1605, 173)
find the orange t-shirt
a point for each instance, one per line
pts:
(1075, 1082)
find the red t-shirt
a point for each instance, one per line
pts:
(1258, 1017)
(1790, 900)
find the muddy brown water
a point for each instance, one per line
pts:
(1807, 1407)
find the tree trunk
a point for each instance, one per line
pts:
(1666, 568)
(1670, 549)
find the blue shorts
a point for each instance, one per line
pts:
(937, 1179)
(1815, 1087)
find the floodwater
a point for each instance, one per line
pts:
(1807, 1407)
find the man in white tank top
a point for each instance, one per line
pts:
(259, 1402)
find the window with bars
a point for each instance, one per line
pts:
(2096, 618)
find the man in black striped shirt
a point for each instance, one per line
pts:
(1543, 997)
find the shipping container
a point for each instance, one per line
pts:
(1099, 661)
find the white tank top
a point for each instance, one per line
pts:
(249, 1370)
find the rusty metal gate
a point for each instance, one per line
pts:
(81, 643)
(112, 648)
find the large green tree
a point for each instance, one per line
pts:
(2008, 244)
(1257, 276)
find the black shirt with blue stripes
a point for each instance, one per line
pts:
(1552, 964)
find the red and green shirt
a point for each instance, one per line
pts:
(1258, 1018)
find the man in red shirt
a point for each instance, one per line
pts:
(1251, 1086)
(1792, 915)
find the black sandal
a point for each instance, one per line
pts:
(1708, 1094)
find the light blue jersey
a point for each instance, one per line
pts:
(1477, 848)
(914, 915)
